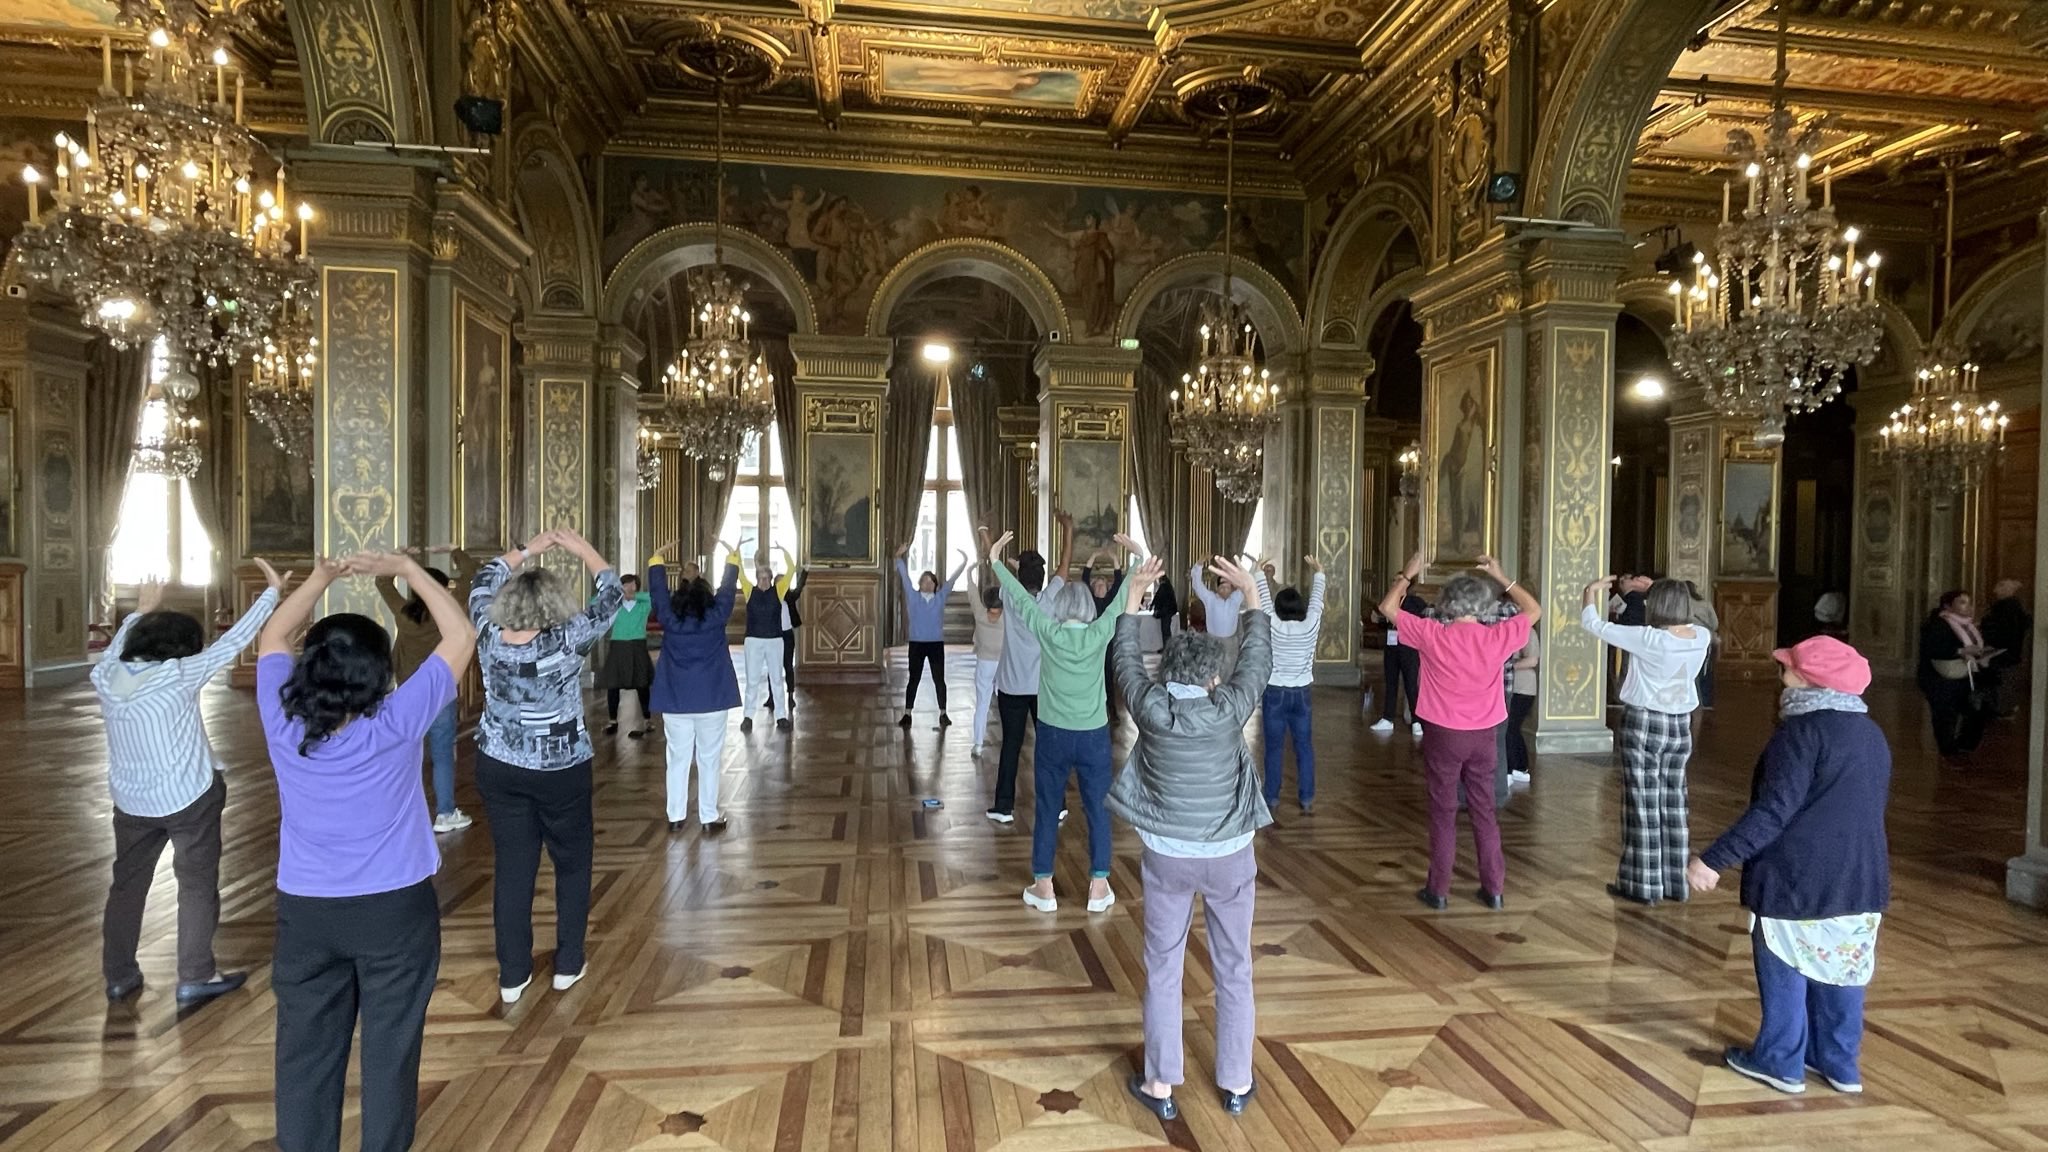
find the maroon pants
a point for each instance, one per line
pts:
(1451, 755)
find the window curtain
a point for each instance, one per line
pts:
(908, 431)
(712, 498)
(213, 489)
(1152, 459)
(118, 382)
(1232, 521)
(983, 475)
(789, 425)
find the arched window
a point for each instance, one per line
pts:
(943, 524)
(760, 508)
(159, 537)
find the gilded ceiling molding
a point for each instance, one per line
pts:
(364, 74)
(999, 264)
(1589, 132)
(1268, 301)
(657, 259)
(1357, 245)
(555, 217)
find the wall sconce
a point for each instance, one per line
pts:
(1410, 463)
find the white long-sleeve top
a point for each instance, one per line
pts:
(1661, 677)
(1294, 641)
(159, 761)
(1222, 610)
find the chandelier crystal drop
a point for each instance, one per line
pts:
(1224, 406)
(162, 224)
(718, 394)
(1773, 324)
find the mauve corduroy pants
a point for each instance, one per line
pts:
(1226, 885)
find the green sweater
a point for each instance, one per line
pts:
(1071, 691)
(631, 622)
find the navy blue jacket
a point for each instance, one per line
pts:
(695, 673)
(764, 614)
(1812, 844)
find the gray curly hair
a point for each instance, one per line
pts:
(1467, 594)
(1073, 603)
(533, 600)
(1192, 658)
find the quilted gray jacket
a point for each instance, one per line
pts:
(1190, 776)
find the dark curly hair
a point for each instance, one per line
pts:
(695, 600)
(343, 672)
(163, 635)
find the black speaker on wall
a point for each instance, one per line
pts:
(481, 116)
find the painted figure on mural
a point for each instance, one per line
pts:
(1094, 272)
(482, 438)
(796, 212)
(647, 211)
(1461, 483)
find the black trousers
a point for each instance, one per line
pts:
(1018, 713)
(1958, 720)
(789, 658)
(339, 958)
(926, 653)
(1403, 667)
(193, 832)
(530, 810)
(611, 703)
(1519, 707)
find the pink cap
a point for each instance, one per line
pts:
(1826, 662)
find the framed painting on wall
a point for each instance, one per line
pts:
(1458, 461)
(839, 490)
(1749, 522)
(1091, 490)
(481, 422)
(278, 497)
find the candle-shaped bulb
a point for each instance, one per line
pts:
(1753, 171)
(1804, 162)
(158, 38)
(29, 175)
(1850, 234)
(305, 210)
(190, 171)
(220, 57)
(266, 200)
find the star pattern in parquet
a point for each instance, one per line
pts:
(846, 969)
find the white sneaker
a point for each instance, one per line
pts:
(1518, 777)
(1384, 726)
(1063, 815)
(975, 751)
(1415, 729)
(1041, 903)
(1000, 817)
(564, 983)
(451, 821)
(1102, 905)
(512, 995)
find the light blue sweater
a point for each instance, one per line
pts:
(927, 614)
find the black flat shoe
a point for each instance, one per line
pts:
(610, 728)
(1620, 893)
(120, 990)
(1234, 1102)
(747, 724)
(637, 734)
(905, 722)
(1490, 899)
(1164, 1109)
(782, 725)
(1432, 900)
(221, 985)
(675, 825)
(714, 828)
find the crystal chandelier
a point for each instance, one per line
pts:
(281, 378)
(718, 394)
(1787, 308)
(647, 458)
(173, 448)
(1223, 408)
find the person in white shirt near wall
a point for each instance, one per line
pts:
(1658, 697)
(988, 650)
(1285, 711)
(167, 784)
(1220, 615)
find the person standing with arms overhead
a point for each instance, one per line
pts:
(1219, 615)
(988, 645)
(415, 636)
(166, 783)
(1017, 672)
(626, 666)
(1285, 711)
(1658, 697)
(1461, 704)
(1192, 792)
(1104, 586)
(694, 685)
(924, 609)
(1816, 870)
(1402, 668)
(1073, 729)
(358, 924)
(763, 645)
(532, 752)
(792, 619)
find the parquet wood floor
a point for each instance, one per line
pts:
(846, 970)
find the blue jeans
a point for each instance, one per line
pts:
(441, 750)
(1284, 711)
(1086, 754)
(1805, 1022)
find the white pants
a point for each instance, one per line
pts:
(764, 662)
(984, 697)
(699, 736)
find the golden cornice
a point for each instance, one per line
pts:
(1893, 106)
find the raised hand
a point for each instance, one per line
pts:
(1413, 568)
(1596, 592)
(378, 564)
(1491, 567)
(902, 550)
(150, 596)
(542, 542)
(1129, 545)
(1238, 578)
(1140, 579)
(277, 582)
(330, 568)
(1314, 564)
(995, 550)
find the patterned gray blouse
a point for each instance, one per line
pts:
(533, 692)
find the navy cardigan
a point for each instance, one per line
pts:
(1812, 844)
(695, 673)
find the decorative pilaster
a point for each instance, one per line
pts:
(1329, 476)
(842, 387)
(45, 601)
(618, 402)
(1017, 430)
(559, 364)
(2026, 876)
(1084, 417)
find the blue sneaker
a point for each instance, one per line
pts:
(1737, 1060)
(1850, 1087)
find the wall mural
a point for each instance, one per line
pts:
(84, 15)
(483, 354)
(1461, 452)
(839, 495)
(279, 500)
(845, 230)
(1749, 531)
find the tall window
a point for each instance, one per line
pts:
(943, 526)
(1138, 527)
(1255, 536)
(760, 508)
(159, 537)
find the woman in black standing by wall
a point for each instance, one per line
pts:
(1952, 655)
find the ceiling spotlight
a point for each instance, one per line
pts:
(937, 353)
(1649, 388)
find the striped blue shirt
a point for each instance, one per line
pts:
(158, 759)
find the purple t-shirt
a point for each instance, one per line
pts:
(354, 812)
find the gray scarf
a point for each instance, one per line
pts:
(1800, 701)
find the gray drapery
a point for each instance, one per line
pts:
(983, 476)
(712, 498)
(1232, 521)
(1153, 460)
(213, 489)
(907, 433)
(789, 425)
(117, 384)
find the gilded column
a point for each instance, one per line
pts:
(1084, 419)
(842, 387)
(1333, 520)
(1018, 432)
(2026, 876)
(370, 239)
(558, 359)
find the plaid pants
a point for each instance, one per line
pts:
(1654, 749)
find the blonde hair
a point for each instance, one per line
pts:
(533, 600)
